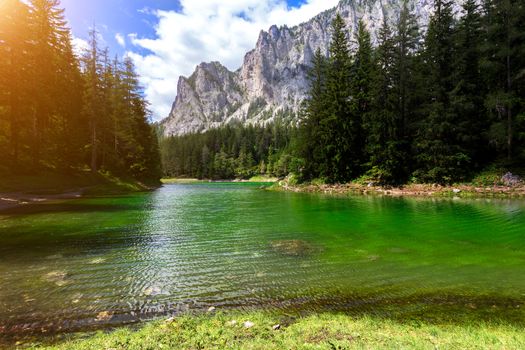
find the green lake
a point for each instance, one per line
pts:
(103, 262)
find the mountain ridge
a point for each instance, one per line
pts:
(272, 81)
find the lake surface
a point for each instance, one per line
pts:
(99, 262)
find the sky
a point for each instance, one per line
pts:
(168, 38)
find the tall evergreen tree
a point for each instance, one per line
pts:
(15, 73)
(468, 94)
(310, 145)
(361, 72)
(339, 124)
(93, 99)
(49, 31)
(505, 59)
(381, 124)
(439, 154)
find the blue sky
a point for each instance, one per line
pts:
(168, 38)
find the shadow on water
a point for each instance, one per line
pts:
(66, 207)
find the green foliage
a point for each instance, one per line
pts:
(60, 113)
(436, 112)
(233, 151)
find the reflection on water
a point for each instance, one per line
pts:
(95, 262)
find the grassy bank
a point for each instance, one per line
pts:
(78, 181)
(255, 330)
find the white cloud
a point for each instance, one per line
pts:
(207, 30)
(80, 46)
(120, 39)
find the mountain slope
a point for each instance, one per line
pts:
(272, 80)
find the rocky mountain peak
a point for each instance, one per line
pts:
(272, 81)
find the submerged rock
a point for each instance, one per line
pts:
(104, 316)
(97, 261)
(293, 247)
(56, 277)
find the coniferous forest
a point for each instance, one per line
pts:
(63, 112)
(434, 107)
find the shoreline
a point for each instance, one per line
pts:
(411, 190)
(268, 330)
(18, 191)
(18, 199)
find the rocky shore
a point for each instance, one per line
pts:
(416, 190)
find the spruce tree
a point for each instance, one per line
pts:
(503, 67)
(468, 94)
(339, 125)
(381, 123)
(310, 145)
(439, 154)
(15, 77)
(360, 106)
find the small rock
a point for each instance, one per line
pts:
(97, 261)
(456, 190)
(211, 309)
(104, 316)
(276, 327)
(170, 320)
(152, 291)
(509, 179)
(248, 324)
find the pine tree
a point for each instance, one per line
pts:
(381, 123)
(408, 86)
(93, 99)
(361, 101)
(503, 67)
(15, 74)
(439, 154)
(49, 31)
(468, 94)
(339, 124)
(310, 145)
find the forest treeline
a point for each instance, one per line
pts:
(437, 107)
(233, 151)
(61, 111)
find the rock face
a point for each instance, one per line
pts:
(272, 82)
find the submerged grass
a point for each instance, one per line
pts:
(322, 331)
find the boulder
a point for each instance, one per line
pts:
(511, 180)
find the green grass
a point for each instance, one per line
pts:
(181, 181)
(324, 331)
(258, 178)
(263, 178)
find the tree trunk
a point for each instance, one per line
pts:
(94, 148)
